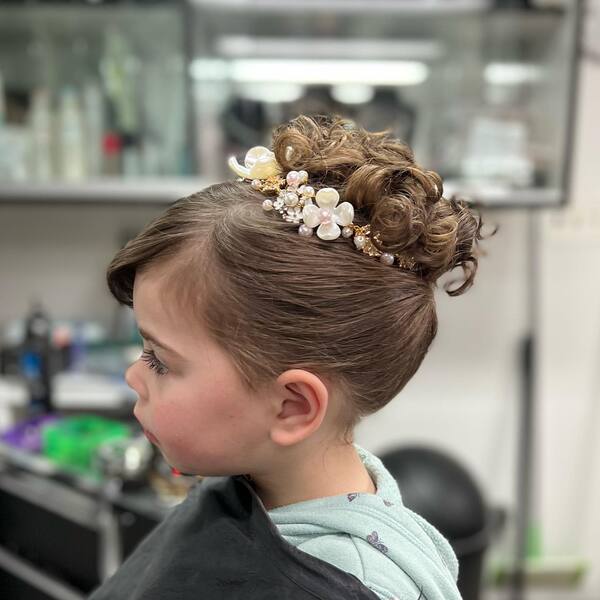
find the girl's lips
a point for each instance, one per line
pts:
(150, 437)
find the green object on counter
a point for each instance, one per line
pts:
(72, 442)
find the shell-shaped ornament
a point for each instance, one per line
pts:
(259, 163)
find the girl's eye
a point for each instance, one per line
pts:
(150, 359)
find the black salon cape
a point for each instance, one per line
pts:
(220, 544)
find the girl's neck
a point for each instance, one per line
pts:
(333, 471)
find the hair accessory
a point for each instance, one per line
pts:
(295, 204)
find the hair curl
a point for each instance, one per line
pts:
(378, 175)
(275, 300)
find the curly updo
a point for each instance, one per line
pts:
(275, 300)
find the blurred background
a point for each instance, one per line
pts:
(109, 111)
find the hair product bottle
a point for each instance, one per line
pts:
(35, 360)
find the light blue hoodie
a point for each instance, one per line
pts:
(391, 549)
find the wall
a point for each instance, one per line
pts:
(59, 253)
(569, 322)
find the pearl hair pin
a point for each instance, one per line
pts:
(299, 203)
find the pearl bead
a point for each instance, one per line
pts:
(291, 199)
(359, 241)
(267, 204)
(256, 184)
(303, 176)
(347, 232)
(293, 178)
(386, 258)
(307, 190)
(305, 230)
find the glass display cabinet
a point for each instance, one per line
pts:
(161, 93)
(483, 91)
(92, 92)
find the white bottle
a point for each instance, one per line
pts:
(71, 147)
(93, 124)
(13, 146)
(40, 129)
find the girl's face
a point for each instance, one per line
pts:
(191, 402)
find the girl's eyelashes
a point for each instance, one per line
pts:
(153, 363)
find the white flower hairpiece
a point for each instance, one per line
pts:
(295, 203)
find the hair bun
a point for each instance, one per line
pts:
(378, 174)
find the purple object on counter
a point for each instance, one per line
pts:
(27, 435)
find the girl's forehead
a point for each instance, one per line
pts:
(160, 303)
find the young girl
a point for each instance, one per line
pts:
(277, 311)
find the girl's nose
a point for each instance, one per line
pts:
(134, 379)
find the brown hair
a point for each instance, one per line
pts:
(275, 300)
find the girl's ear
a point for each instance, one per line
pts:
(302, 406)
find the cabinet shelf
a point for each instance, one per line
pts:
(118, 191)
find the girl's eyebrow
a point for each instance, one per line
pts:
(151, 338)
